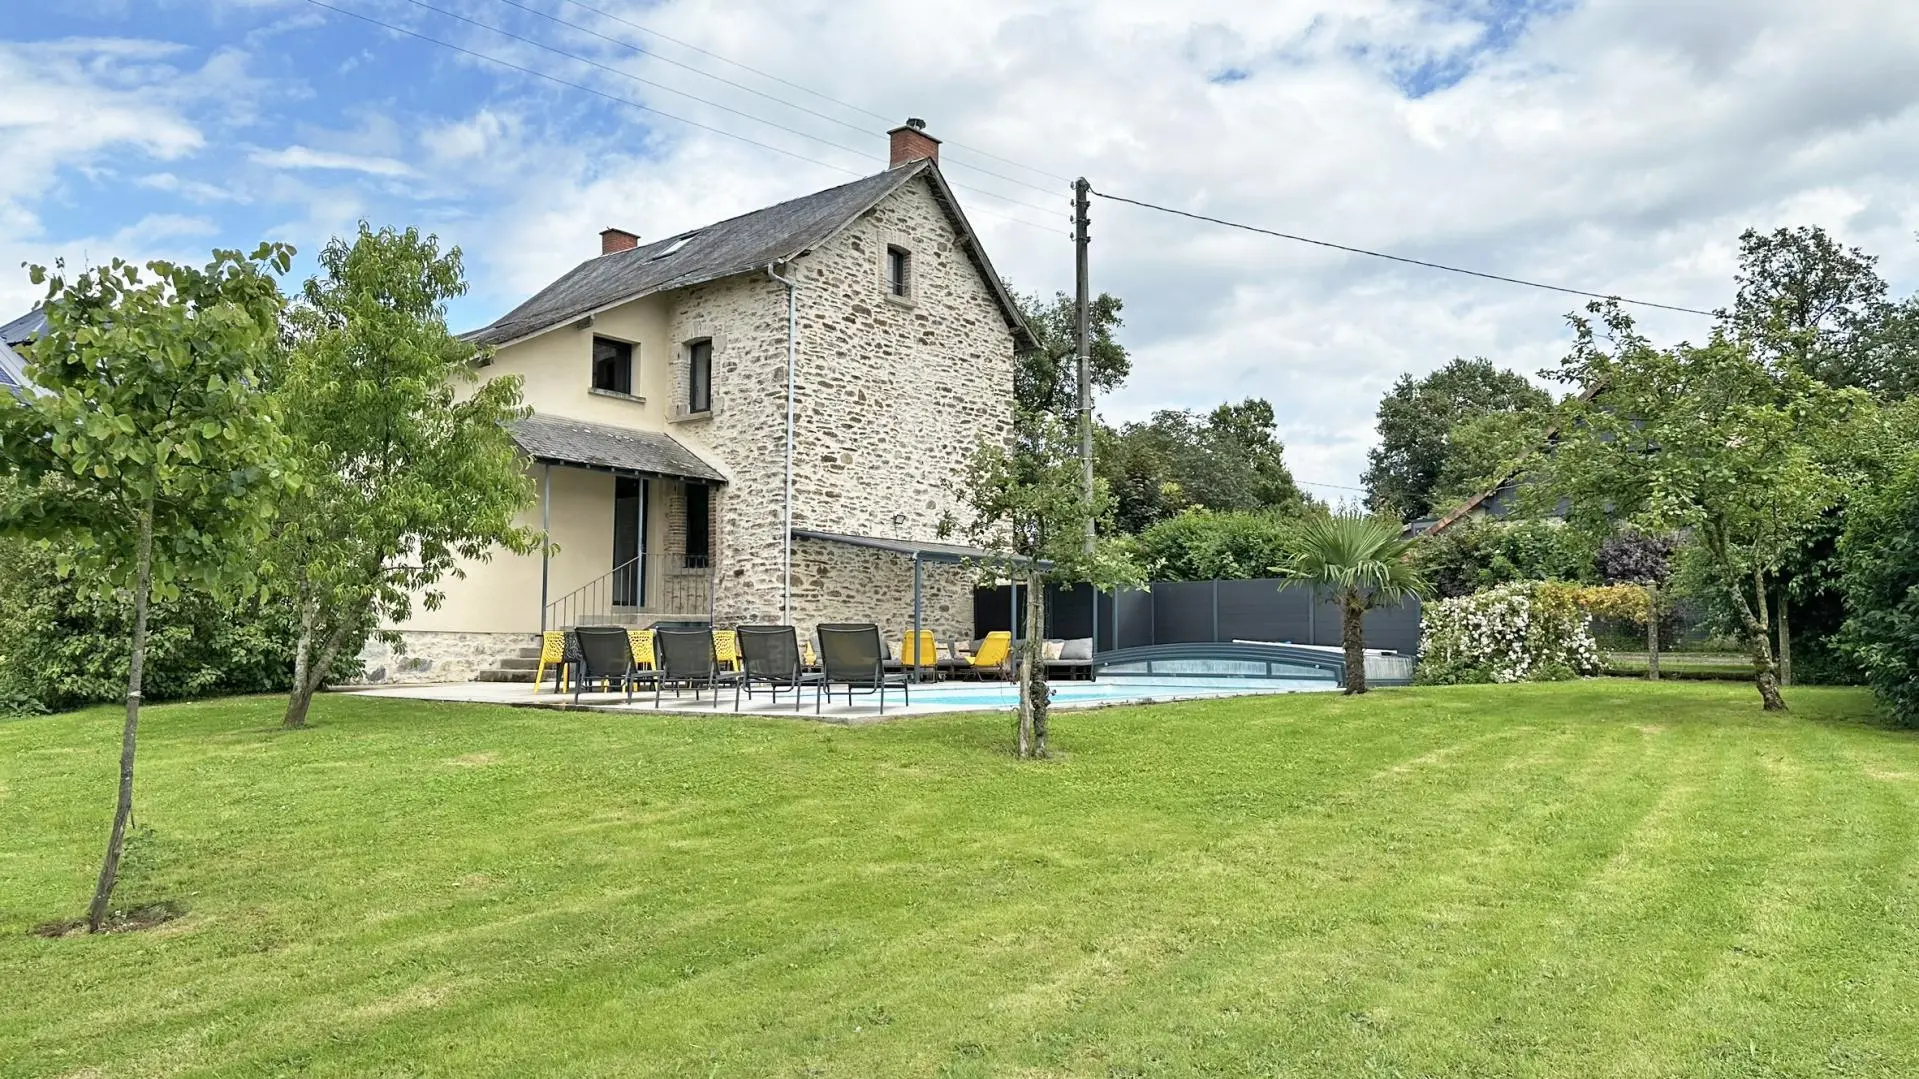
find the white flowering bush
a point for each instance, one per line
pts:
(1526, 631)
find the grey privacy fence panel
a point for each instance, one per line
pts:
(1194, 612)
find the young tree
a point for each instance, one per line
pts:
(1713, 440)
(151, 456)
(1365, 562)
(403, 473)
(1416, 422)
(1026, 504)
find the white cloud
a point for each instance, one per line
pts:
(195, 190)
(302, 157)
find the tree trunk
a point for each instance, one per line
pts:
(1785, 638)
(1032, 674)
(310, 667)
(136, 669)
(1652, 633)
(1759, 641)
(300, 698)
(1353, 635)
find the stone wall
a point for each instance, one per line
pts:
(432, 656)
(892, 397)
(834, 582)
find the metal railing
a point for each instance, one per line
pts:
(644, 589)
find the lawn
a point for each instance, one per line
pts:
(1597, 879)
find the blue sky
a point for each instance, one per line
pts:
(1618, 145)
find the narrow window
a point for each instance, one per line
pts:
(699, 525)
(612, 365)
(699, 376)
(899, 271)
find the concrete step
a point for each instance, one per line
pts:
(518, 663)
(532, 653)
(498, 675)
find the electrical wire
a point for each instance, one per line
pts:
(706, 101)
(807, 90)
(776, 99)
(1403, 259)
(617, 99)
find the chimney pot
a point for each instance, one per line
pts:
(613, 241)
(911, 143)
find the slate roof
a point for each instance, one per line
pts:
(23, 329)
(596, 445)
(737, 245)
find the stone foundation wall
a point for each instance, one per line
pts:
(432, 656)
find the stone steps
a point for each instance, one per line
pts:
(498, 675)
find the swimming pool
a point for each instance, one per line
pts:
(1113, 689)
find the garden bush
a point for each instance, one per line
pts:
(62, 647)
(1201, 545)
(1880, 553)
(1524, 631)
(1476, 555)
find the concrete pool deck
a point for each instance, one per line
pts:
(930, 699)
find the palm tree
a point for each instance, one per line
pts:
(1362, 561)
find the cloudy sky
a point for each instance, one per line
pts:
(1612, 145)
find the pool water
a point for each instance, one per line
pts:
(1113, 690)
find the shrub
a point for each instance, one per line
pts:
(62, 648)
(1880, 553)
(1476, 555)
(1525, 631)
(1200, 545)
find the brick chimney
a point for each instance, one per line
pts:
(614, 241)
(911, 143)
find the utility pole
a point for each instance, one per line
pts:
(1081, 191)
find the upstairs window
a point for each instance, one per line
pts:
(612, 365)
(899, 272)
(699, 376)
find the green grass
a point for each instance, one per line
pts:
(1594, 879)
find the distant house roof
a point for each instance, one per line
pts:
(737, 245)
(13, 373)
(1508, 483)
(562, 441)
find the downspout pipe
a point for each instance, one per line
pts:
(792, 371)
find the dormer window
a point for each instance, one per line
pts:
(612, 365)
(899, 272)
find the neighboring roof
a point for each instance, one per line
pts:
(737, 245)
(1511, 477)
(925, 550)
(595, 445)
(24, 329)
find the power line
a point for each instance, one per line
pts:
(808, 90)
(1402, 258)
(630, 103)
(780, 101)
(423, 5)
(705, 101)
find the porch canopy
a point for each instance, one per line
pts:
(921, 552)
(553, 440)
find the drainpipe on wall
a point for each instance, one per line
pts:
(792, 365)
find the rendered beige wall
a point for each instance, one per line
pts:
(502, 594)
(557, 367)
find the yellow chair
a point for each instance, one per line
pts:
(726, 649)
(928, 653)
(642, 642)
(992, 654)
(807, 656)
(552, 654)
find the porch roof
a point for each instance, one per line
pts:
(924, 550)
(560, 441)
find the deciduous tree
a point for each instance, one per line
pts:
(1417, 420)
(1712, 439)
(407, 463)
(150, 457)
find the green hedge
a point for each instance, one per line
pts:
(61, 648)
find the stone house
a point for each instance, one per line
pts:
(756, 421)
